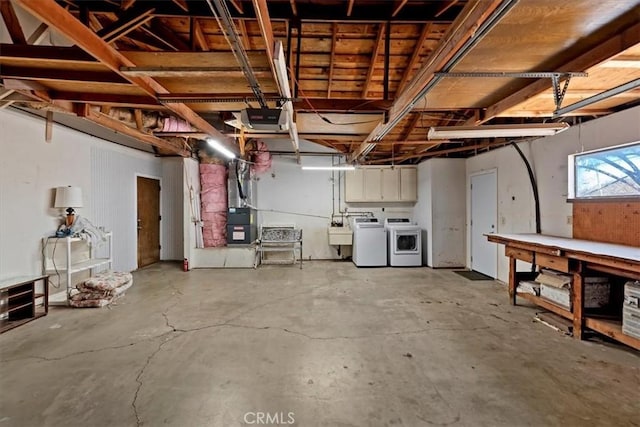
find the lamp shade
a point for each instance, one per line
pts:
(68, 197)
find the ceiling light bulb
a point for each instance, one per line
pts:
(221, 148)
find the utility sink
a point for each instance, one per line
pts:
(340, 236)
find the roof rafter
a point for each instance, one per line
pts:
(415, 56)
(129, 21)
(12, 23)
(372, 65)
(57, 17)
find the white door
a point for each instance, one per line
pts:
(484, 215)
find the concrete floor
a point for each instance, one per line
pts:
(331, 344)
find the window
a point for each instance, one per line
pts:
(609, 173)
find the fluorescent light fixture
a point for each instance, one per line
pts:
(496, 131)
(329, 168)
(621, 63)
(220, 148)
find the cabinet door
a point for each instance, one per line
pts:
(408, 184)
(354, 186)
(390, 185)
(372, 184)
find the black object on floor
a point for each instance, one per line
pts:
(473, 275)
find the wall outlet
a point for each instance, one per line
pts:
(569, 219)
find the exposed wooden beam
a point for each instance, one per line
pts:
(182, 4)
(412, 125)
(57, 17)
(606, 50)
(48, 127)
(197, 36)
(12, 23)
(126, 23)
(166, 36)
(415, 56)
(38, 34)
(24, 73)
(463, 28)
(45, 53)
(374, 55)
(141, 101)
(121, 127)
(398, 7)
(126, 4)
(446, 7)
(244, 35)
(350, 7)
(189, 72)
(334, 41)
(137, 114)
(294, 8)
(237, 4)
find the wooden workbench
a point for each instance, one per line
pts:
(576, 257)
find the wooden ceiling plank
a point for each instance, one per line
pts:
(126, 23)
(57, 17)
(12, 23)
(601, 53)
(244, 35)
(415, 56)
(374, 55)
(334, 41)
(398, 7)
(473, 15)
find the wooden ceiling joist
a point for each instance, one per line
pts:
(12, 23)
(398, 7)
(374, 56)
(128, 22)
(606, 50)
(197, 36)
(57, 17)
(334, 41)
(350, 7)
(182, 4)
(415, 56)
(52, 74)
(294, 8)
(141, 101)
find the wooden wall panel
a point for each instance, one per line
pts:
(612, 222)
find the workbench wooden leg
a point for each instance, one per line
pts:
(512, 280)
(577, 289)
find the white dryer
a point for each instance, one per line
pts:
(404, 242)
(369, 243)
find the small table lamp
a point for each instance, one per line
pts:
(69, 197)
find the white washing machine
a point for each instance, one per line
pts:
(369, 243)
(404, 242)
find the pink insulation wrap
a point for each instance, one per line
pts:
(261, 158)
(213, 196)
(173, 124)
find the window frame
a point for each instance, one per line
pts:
(572, 183)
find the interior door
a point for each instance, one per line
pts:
(148, 221)
(484, 214)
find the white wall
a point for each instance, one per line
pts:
(286, 194)
(441, 211)
(172, 212)
(548, 157)
(31, 168)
